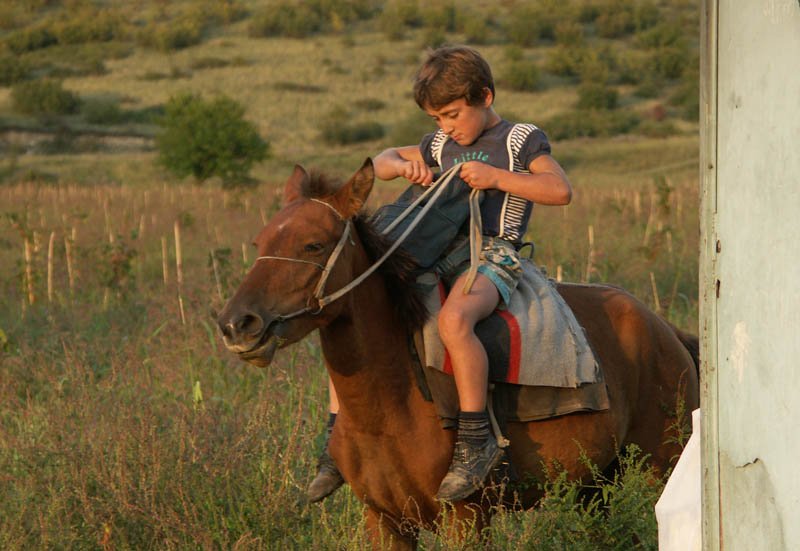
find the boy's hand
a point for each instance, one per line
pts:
(479, 175)
(417, 172)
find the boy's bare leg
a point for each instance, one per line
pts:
(328, 477)
(457, 320)
(476, 451)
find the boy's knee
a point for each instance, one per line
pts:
(453, 323)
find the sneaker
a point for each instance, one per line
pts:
(469, 469)
(328, 478)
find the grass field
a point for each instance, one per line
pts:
(124, 423)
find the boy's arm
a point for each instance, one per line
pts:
(403, 161)
(546, 184)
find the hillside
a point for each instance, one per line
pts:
(328, 82)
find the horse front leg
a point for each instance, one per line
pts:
(386, 534)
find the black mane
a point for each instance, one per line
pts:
(399, 272)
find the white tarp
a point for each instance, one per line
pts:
(678, 510)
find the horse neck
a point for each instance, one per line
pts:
(366, 349)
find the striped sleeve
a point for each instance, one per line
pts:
(527, 143)
(431, 148)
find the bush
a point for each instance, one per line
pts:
(89, 26)
(410, 130)
(12, 70)
(591, 123)
(337, 129)
(102, 111)
(525, 26)
(43, 97)
(565, 61)
(668, 61)
(171, 36)
(285, 19)
(208, 138)
(569, 33)
(593, 95)
(397, 15)
(686, 96)
(615, 19)
(476, 29)
(521, 75)
(27, 40)
(656, 129)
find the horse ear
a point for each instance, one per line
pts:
(352, 196)
(294, 185)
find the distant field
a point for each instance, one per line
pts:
(124, 424)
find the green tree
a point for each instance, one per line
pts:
(208, 138)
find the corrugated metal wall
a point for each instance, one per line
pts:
(750, 273)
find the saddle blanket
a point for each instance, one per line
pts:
(536, 342)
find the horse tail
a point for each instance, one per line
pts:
(692, 344)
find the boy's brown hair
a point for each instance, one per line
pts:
(451, 73)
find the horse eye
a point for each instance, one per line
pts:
(314, 247)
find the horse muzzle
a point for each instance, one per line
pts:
(250, 335)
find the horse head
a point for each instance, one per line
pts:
(307, 242)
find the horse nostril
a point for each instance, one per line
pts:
(250, 324)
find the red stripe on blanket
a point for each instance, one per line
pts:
(447, 367)
(514, 346)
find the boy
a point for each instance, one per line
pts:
(513, 164)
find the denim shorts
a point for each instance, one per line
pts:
(499, 261)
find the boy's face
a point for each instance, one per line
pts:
(464, 123)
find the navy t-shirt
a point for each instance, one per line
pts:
(505, 145)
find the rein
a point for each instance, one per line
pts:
(323, 301)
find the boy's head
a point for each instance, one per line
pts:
(451, 73)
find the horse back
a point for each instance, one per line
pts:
(650, 366)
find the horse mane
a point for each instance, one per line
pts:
(399, 272)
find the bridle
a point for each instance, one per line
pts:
(319, 290)
(440, 185)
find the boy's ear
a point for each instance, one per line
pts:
(352, 196)
(488, 97)
(294, 185)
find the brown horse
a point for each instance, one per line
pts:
(387, 441)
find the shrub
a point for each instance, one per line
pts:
(27, 40)
(592, 95)
(102, 111)
(686, 95)
(565, 61)
(285, 19)
(89, 26)
(656, 129)
(525, 26)
(646, 15)
(12, 70)
(591, 123)
(209, 63)
(631, 67)
(594, 66)
(397, 15)
(442, 16)
(476, 29)
(615, 19)
(208, 138)
(411, 129)
(521, 75)
(43, 97)
(569, 33)
(337, 129)
(668, 61)
(369, 104)
(433, 38)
